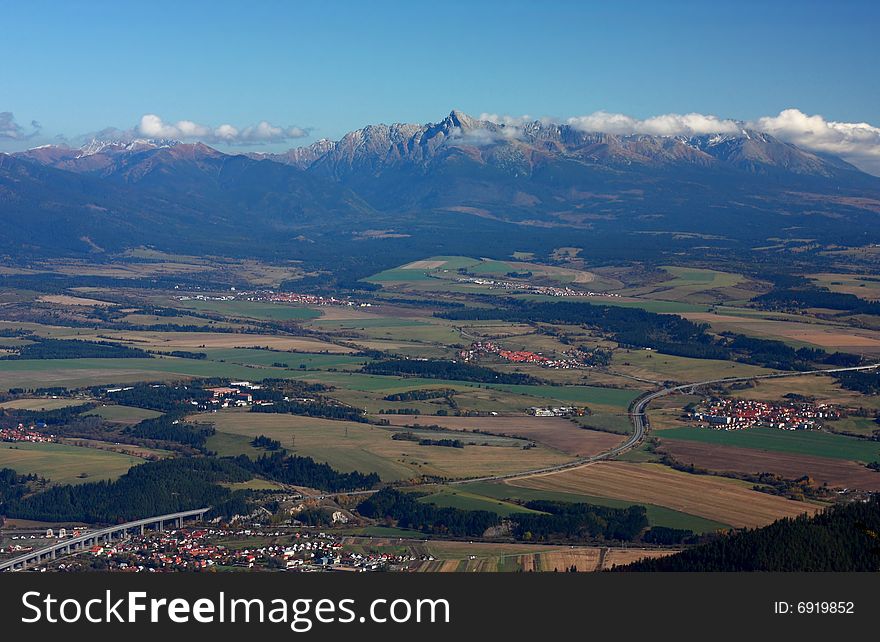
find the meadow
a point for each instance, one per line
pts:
(351, 446)
(63, 464)
(260, 310)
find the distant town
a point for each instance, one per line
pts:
(276, 297)
(569, 360)
(741, 414)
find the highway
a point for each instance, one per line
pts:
(72, 544)
(639, 421)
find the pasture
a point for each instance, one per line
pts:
(63, 464)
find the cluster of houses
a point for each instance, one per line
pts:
(557, 411)
(546, 290)
(198, 549)
(22, 433)
(739, 414)
(303, 299)
(276, 297)
(237, 394)
(519, 356)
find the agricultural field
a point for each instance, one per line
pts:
(291, 360)
(263, 311)
(554, 432)
(798, 334)
(455, 497)
(63, 464)
(864, 286)
(799, 442)
(694, 286)
(657, 515)
(727, 501)
(647, 364)
(467, 557)
(351, 446)
(43, 403)
(27, 373)
(835, 473)
(123, 414)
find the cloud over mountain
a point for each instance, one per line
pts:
(858, 143)
(152, 126)
(11, 130)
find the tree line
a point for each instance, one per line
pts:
(813, 297)
(452, 370)
(43, 348)
(172, 485)
(556, 520)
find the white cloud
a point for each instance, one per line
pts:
(858, 143)
(692, 124)
(152, 126)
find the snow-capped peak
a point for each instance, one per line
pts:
(96, 146)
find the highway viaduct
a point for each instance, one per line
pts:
(92, 538)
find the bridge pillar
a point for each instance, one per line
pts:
(180, 522)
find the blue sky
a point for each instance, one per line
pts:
(329, 67)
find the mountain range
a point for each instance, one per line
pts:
(448, 184)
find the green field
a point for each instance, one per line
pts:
(399, 274)
(363, 324)
(801, 442)
(42, 403)
(615, 397)
(300, 360)
(660, 307)
(657, 515)
(124, 414)
(574, 394)
(63, 464)
(403, 273)
(252, 309)
(349, 446)
(35, 373)
(455, 497)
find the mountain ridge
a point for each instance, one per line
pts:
(454, 176)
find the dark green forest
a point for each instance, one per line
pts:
(842, 538)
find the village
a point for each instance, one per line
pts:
(545, 290)
(218, 548)
(30, 434)
(574, 359)
(277, 297)
(741, 414)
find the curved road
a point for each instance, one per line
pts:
(640, 423)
